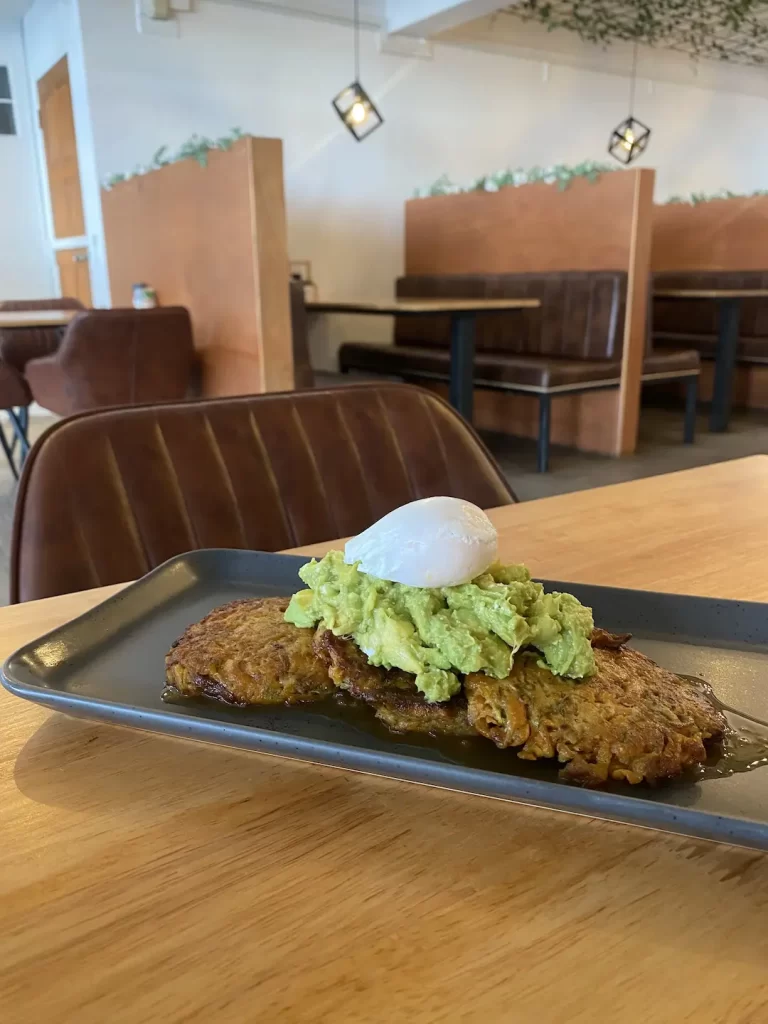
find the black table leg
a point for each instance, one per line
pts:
(461, 388)
(725, 360)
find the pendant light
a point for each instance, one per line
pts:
(630, 138)
(353, 104)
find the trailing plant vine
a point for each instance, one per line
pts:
(734, 30)
(196, 147)
(558, 174)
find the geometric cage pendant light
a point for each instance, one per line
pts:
(353, 104)
(631, 137)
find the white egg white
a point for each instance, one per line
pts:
(433, 542)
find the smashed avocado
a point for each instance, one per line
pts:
(435, 633)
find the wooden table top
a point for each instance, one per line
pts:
(422, 307)
(38, 318)
(710, 293)
(151, 879)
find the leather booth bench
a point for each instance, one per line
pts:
(570, 345)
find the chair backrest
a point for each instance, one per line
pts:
(127, 356)
(698, 317)
(581, 314)
(19, 305)
(106, 496)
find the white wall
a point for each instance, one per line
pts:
(465, 112)
(51, 31)
(25, 271)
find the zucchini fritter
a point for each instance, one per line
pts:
(631, 720)
(245, 653)
(391, 692)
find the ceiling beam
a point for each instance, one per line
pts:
(428, 17)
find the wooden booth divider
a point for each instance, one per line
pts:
(721, 234)
(600, 225)
(212, 239)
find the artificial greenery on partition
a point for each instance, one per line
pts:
(196, 147)
(697, 198)
(733, 30)
(558, 174)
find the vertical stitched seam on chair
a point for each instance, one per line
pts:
(446, 462)
(176, 485)
(81, 536)
(390, 427)
(356, 455)
(218, 455)
(122, 494)
(315, 468)
(287, 522)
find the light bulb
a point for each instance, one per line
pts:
(358, 112)
(628, 140)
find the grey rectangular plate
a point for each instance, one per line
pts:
(109, 665)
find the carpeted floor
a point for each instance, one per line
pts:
(659, 451)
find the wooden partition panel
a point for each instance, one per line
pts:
(213, 239)
(724, 234)
(602, 225)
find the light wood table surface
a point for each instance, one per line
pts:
(419, 307)
(38, 318)
(710, 293)
(149, 879)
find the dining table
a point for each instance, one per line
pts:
(728, 302)
(146, 879)
(37, 318)
(463, 315)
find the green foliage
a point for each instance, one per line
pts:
(558, 174)
(734, 30)
(697, 198)
(195, 148)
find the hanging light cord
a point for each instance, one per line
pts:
(632, 83)
(357, 41)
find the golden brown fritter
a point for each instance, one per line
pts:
(391, 692)
(632, 720)
(245, 653)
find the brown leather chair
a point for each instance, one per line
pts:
(570, 345)
(108, 495)
(14, 401)
(19, 345)
(116, 357)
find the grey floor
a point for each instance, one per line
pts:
(659, 451)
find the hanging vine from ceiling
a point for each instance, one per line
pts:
(732, 30)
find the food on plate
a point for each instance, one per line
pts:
(391, 692)
(456, 646)
(432, 542)
(436, 633)
(246, 653)
(631, 720)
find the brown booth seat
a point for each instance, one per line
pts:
(694, 322)
(572, 343)
(116, 357)
(19, 345)
(106, 496)
(523, 373)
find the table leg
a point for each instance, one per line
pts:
(461, 388)
(725, 360)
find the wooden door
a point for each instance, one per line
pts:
(58, 127)
(74, 274)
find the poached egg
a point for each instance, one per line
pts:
(433, 542)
